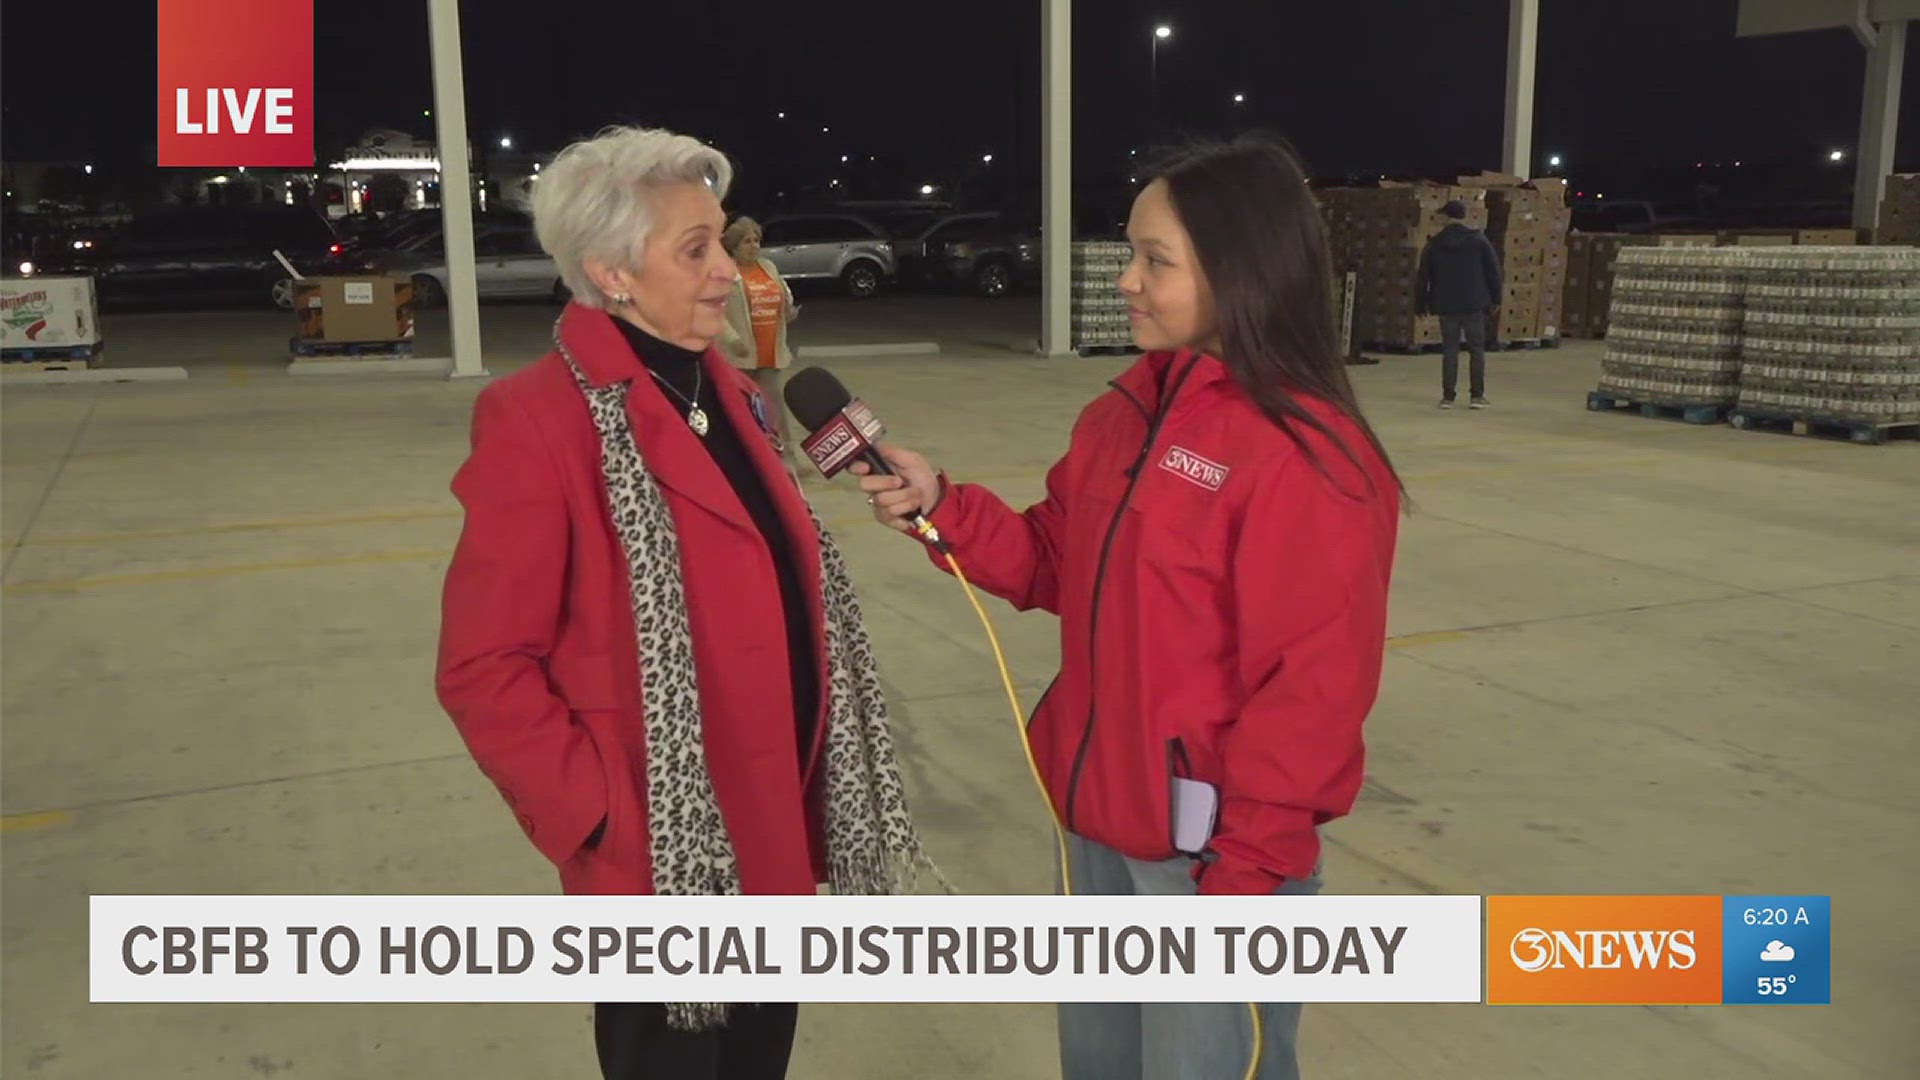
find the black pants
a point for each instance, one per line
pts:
(635, 1043)
(1474, 328)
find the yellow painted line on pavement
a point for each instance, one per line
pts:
(45, 819)
(69, 585)
(131, 535)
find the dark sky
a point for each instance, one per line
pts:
(1358, 86)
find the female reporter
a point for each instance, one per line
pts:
(1217, 542)
(648, 642)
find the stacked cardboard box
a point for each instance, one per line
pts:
(1528, 227)
(330, 310)
(1826, 237)
(1788, 237)
(1832, 334)
(1674, 325)
(1900, 211)
(1099, 310)
(1379, 233)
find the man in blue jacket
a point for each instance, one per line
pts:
(1460, 282)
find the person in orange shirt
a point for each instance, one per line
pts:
(757, 317)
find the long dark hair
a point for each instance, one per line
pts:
(1263, 247)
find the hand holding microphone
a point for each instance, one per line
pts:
(913, 489)
(843, 433)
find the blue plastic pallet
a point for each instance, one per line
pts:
(53, 352)
(1860, 431)
(1701, 412)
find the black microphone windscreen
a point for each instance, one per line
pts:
(815, 397)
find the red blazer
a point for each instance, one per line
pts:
(538, 665)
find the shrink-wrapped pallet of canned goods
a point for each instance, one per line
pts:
(1674, 337)
(1832, 334)
(1099, 310)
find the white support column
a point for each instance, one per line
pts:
(456, 192)
(1879, 120)
(1523, 33)
(1056, 134)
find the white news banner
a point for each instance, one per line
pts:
(784, 948)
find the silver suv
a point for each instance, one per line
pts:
(830, 246)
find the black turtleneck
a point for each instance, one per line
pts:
(681, 369)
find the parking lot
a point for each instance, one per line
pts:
(242, 343)
(1627, 655)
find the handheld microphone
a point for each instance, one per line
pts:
(842, 430)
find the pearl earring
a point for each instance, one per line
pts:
(621, 298)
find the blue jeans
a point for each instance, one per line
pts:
(1181, 1041)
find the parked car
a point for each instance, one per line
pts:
(206, 254)
(989, 253)
(815, 247)
(508, 263)
(1619, 216)
(409, 227)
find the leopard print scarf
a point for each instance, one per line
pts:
(872, 847)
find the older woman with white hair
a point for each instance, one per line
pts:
(648, 642)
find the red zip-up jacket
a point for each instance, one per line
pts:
(1222, 608)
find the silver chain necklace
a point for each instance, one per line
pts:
(696, 416)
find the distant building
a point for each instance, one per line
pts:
(394, 170)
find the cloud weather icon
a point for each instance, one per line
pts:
(1777, 952)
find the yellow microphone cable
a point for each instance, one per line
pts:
(926, 532)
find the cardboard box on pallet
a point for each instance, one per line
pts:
(1577, 292)
(1900, 211)
(348, 309)
(49, 314)
(1380, 233)
(1826, 237)
(1590, 273)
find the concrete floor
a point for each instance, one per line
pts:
(1629, 656)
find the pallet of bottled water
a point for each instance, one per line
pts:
(1831, 336)
(1673, 337)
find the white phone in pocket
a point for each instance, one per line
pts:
(1196, 810)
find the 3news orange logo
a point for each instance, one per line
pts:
(236, 82)
(1603, 950)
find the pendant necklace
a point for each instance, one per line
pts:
(696, 416)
